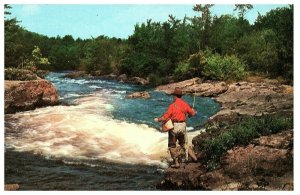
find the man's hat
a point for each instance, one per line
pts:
(177, 91)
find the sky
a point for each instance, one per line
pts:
(115, 20)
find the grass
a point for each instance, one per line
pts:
(241, 134)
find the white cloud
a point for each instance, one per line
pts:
(30, 10)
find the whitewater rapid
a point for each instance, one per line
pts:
(85, 131)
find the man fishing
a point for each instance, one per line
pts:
(177, 112)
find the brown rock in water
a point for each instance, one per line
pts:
(11, 187)
(143, 94)
(27, 95)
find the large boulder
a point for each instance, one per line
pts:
(27, 95)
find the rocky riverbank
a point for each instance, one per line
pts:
(98, 75)
(266, 163)
(28, 95)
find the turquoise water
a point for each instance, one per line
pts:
(141, 111)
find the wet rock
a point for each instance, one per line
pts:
(143, 94)
(27, 95)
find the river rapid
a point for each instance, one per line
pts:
(99, 141)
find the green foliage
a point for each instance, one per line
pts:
(242, 134)
(155, 80)
(37, 60)
(259, 51)
(19, 74)
(226, 31)
(224, 68)
(183, 70)
(281, 22)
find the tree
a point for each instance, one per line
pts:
(259, 51)
(281, 22)
(202, 24)
(226, 30)
(242, 9)
(37, 60)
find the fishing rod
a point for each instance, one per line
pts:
(185, 133)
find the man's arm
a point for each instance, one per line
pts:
(191, 111)
(166, 116)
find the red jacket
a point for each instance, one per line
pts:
(178, 110)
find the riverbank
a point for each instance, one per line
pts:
(254, 166)
(123, 78)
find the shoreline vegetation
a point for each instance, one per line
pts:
(248, 69)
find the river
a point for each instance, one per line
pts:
(100, 141)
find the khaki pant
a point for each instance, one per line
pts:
(178, 133)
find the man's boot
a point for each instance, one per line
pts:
(174, 154)
(192, 154)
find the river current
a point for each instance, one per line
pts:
(99, 141)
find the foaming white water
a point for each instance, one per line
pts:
(85, 131)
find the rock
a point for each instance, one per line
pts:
(184, 178)
(245, 98)
(252, 167)
(281, 140)
(143, 94)
(122, 78)
(11, 187)
(169, 88)
(109, 77)
(269, 158)
(77, 74)
(137, 80)
(27, 95)
(210, 89)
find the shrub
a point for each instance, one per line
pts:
(155, 80)
(224, 68)
(19, 74)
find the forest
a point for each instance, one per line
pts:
(212, 47)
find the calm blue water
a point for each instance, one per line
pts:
(102, 141)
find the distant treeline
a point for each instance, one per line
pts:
(213, 47)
